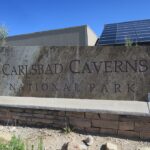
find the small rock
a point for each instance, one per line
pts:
(109, 146)
(76, 146)
(1, 128)
(5, 136)
(13, 129)
(89, 140)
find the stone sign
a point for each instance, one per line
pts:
(120, 73)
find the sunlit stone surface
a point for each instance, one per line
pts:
(121, 73)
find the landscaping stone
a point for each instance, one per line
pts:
(76, 146)
(143, 148)
(109, 146)
(5, 136)
(89, 140)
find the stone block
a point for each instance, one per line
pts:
(92, 130)
(144, 135)
(105, 124)
(127, 118)
(129, 134)
(126, 125)
(22, 114)
(4, 110)
(92, 115)
(16, 110)
(39, 115)
(46, 121)
(75, 114)
(77, 122)
(110, 146)
(109, 117)
(108, 131)
(60, 113)
(29, 111)
(40, 112)
(142, 126)
(49, 116)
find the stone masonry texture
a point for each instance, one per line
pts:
(125, 126)
(109, 72)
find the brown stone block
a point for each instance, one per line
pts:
(17, 110)
(131, 134)
(22, 114)
(145, 135)
(105, 124)
(142, 126)
(108, 131)
(40, 111)
(39, 115)
(77, 122)
(61, 113)
(29, 111)
(7, 115)
(60, 122)
(126, 125)
(60, 118)
(92, 115)
(75, 114)
(93, 130)
(20, 118)
(50, 116)
(4, 110)
(53, 112)
(134, 118)
(109, 117)
(41, 120)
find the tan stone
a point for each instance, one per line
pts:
(89, 140)
(105, 124)
(92, 130)
(92, 115)
(80, 122)
(111, 146)
(75, 146)
(109, 117)
(145, 135)
(131, 134)
(143, 148)
(39, 115)
(75, 114)
(5, 136)
(108, 131)
(126, 125)
(142, 126)
(40, 120)
(93, 69)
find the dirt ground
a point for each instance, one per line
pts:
(55, 139)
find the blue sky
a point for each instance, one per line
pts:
(25, 16)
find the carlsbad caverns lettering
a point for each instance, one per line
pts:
(95, 73)
(77, 67)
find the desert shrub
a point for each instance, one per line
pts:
(128, 42)
(3, 34)
(18, 144)
(14, 144)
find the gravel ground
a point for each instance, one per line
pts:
(55, 139)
